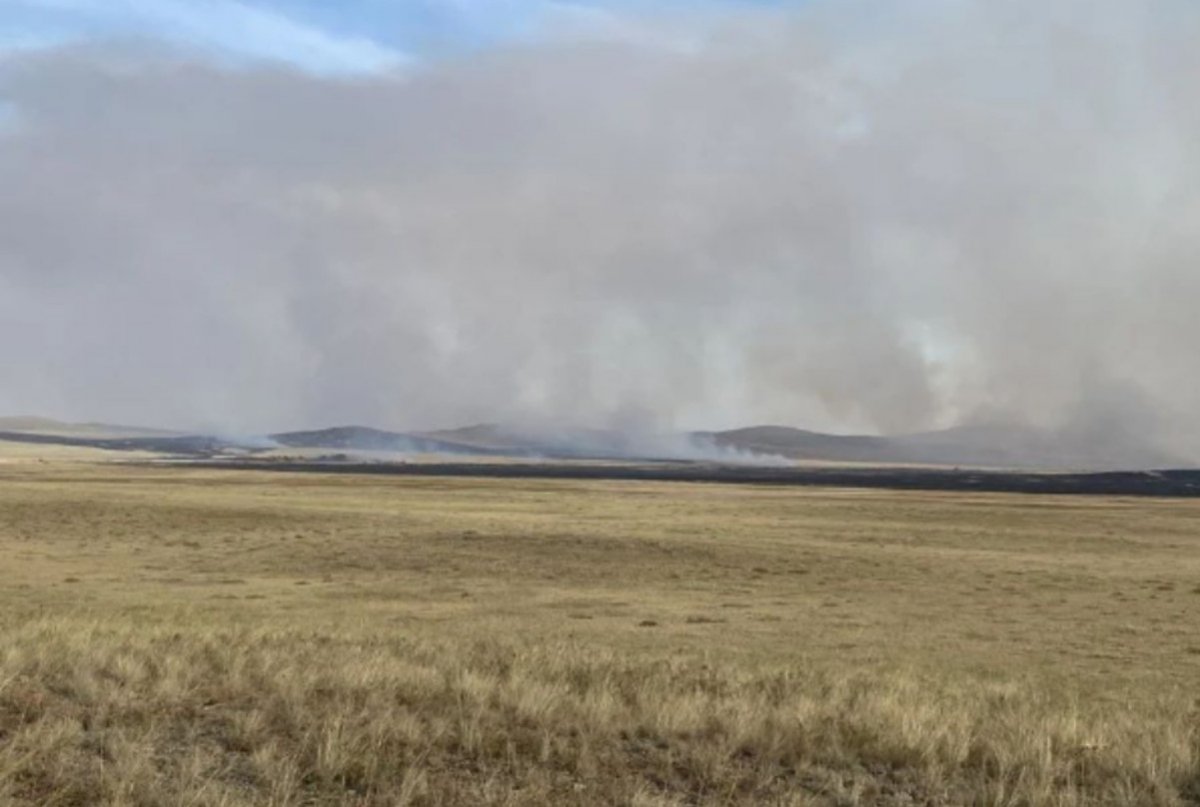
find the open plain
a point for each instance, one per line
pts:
(223, 637)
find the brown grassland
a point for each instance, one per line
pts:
(190, 637)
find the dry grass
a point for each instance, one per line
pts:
(185, 637)
(40, 453)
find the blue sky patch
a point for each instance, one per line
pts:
(345, 37)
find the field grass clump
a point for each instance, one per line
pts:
(472, 642)
(92, 712)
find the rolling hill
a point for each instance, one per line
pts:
(974, 446)
(988, 445)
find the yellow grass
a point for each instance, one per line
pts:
(12, 452)
(217, 638)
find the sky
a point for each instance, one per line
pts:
(836, 214)
(357, 36)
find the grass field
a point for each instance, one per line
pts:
(195, 637)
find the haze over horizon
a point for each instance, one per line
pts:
(840, 216)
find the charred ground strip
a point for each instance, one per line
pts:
(1173, 483)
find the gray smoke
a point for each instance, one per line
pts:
(857, 216)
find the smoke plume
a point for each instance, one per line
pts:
(856, 216)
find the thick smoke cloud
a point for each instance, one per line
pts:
(851, 217)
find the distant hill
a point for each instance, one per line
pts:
(986, 445)
(567, 442)
(47, 426)
(487, 436)
(974, 446)
(980, 445)
(364, 438)
(801, 444)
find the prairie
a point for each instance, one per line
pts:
(183, 636)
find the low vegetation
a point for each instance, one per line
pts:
(189, 637)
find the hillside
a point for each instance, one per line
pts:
(28, 424)
(364, 438)
(989, 445)
(974, 446)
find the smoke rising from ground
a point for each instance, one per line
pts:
(852, 216)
